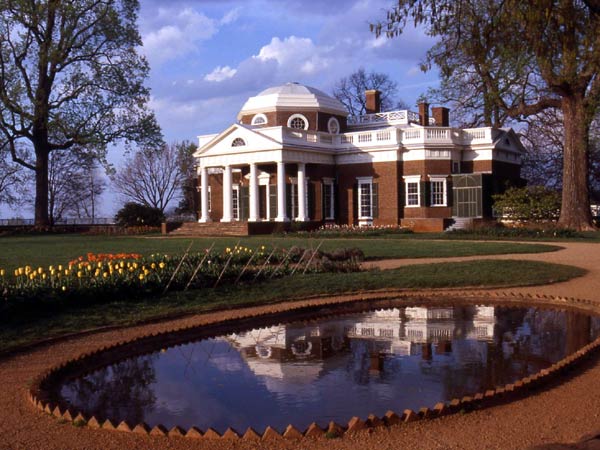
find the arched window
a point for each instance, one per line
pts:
(259, 119)
(298, 121)
(238, 142)
(333, 126)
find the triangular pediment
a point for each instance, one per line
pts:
(238, 138)
(507, 139)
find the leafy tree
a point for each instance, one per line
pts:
(549, 54)
(350, 91)
(151, 177)
(70, 77)
(134, 214)
(528, 204)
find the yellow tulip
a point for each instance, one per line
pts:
(161, 265)
(79, 274)
(64, 288)
(2, 272)
(141, 276)
(105, 274)
(60, 267)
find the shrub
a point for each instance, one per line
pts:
(135, 215)
(528, 204)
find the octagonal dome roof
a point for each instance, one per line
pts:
(292, 97)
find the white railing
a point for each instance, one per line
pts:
(389, 136)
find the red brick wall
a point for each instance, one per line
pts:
(316, 121)
(385, 175)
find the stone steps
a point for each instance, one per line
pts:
(460, 223)
(211, 229)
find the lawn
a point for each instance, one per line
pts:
(59, 249)
(25, 329)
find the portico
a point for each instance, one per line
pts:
(265, 201)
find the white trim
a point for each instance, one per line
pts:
(298, 116)
(439, 179)
(365, 219)
(331, 123)
(257, 117)
(412, 179)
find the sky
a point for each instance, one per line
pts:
(207, 57)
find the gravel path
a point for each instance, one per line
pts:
(562, 413)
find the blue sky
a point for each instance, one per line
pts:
(208, 56)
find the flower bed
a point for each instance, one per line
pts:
(340, 231)
(102, 277)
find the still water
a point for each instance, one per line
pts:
(331, 368)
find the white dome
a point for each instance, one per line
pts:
(292, 97)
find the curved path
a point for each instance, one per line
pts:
(561, 413)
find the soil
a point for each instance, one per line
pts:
(563, 412)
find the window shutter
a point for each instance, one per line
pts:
(288, 202)
(375, 200)
(244, 202)
(323, 212)
(424, 187)
(310, 192)
(449, 192)
(355, 203)
(272, 201)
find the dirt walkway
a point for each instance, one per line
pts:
(560, 414)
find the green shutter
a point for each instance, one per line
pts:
(375, 200)
(311, 201)
(355, 203)
(244, 202)
(288, 202)
(424, 187)
(272, 201)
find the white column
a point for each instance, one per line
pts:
(204, 195)
(253, 194)
(227, 193)
(281, 203)
(302, 193)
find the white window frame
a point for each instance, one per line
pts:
(257, 117)
(329, 215)
(365, 219)
(297, 116)
(294, 196)
(333, 122)
(235, 202)
(444, 181)
(408, 181)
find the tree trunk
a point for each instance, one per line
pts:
(575, 211)
(41, 187)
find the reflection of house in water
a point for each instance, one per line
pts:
(301, 351)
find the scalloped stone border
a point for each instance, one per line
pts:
(39, 396)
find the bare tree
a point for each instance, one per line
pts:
(14, 181)
(74, 186)
(188, 204)
(151, 177)
(350, 91)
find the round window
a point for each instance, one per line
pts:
(238, 142)
(333, 126)
(298, 121)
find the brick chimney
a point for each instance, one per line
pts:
(441, 116)
(424, 114)
(373, 101)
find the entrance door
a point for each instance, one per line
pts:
(467, 195)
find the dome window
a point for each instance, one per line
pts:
(259, 119)
(238, 142)
(333, 126)
(298, 121)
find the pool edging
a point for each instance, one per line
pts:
(38, 394)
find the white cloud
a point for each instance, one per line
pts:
(220, 73)
(295, 54)
(175, 34)
(231, 16)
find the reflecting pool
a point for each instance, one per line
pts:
(331, 368)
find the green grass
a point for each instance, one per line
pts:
(18, 331)
(58, 249)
